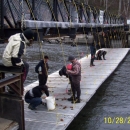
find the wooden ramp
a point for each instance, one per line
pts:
(8, 124)
(65, 112)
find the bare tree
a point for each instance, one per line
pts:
(100, 2)
(106, 4)
(119, 9)
(126, 6)
(86, 1)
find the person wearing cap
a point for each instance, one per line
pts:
(34, 96)
(100, 54)
(16, 48)
(42, 70)
(75, 74)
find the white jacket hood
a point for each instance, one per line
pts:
(12, 48)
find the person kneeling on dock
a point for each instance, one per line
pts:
(33, 96)
(101, 53)
(75, 74)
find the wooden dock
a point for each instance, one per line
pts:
(65, 112)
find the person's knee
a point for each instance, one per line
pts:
(37, 100)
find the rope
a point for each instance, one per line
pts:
(111, 37)
(84, 32)
(83, 26)
(92, 28)
(22, 23)
(40, 43)
(67, 11)
(48, 2)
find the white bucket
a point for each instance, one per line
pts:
(50, 102)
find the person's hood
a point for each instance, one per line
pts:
(26, 40)
(17, 37)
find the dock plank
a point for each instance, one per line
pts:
(65, 112)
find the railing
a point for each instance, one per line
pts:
(12, 104)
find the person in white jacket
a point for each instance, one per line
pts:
(16, 48)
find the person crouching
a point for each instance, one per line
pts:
(33, 96)
(100, 54)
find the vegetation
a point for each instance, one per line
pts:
(118, 7)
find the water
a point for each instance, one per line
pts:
(109, 108)
(58, 55)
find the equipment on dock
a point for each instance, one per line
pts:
(50, 102)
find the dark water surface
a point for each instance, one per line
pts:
(109, 109)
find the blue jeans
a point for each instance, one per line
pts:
(34, 102)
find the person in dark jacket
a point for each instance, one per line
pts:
(42, 70)
(33, 96)
(75, 74)
(63, 72)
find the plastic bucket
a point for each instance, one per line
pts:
(50, 102)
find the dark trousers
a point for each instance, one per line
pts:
(25, 70)
(99, 57)
(76, 88)
(92, 59)
(42, 79)
(34, 102)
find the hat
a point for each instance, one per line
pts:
(29, 34)
(71, 58)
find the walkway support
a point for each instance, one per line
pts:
(12, 104)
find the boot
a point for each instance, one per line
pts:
(71, 98)
(77, 100)
(31, 107)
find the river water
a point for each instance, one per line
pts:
(109, 107)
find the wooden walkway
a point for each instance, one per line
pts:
(65, 112)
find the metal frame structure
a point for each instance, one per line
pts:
(12, 104)
(11, 23)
